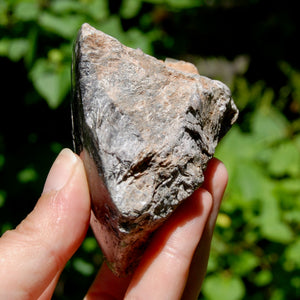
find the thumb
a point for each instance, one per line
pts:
(33, 255)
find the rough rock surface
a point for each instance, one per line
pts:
(145, 130)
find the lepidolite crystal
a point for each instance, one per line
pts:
(145, 130)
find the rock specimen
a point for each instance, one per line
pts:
(145, 130)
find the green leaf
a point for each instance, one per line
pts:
(243, 263)
(292, 216)
(32, 45)
(113, 27)
(4, 46)
(6, 226)
(52, 83)
(26, 11)
(83, 267)
(250, 181)
(263, 278)
(179, 4)
(278, 294)
(295, 282)
(292, 254)
(18, 48)
(135, 39)
(90, 244)
(27, 175)
(65, 26)
(56, 147)
(285, 160)
(3, 13)
(212, 262)
(225, 287)
(289, 185)
(276, 231)
(97, 9)
(237, 146)
(66, 6)
(130, 8)
(269, 125)
(271, 224)
(14, 49)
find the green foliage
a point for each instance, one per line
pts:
(256, 246)
(25, 23)
(228, 287)
(262, 202)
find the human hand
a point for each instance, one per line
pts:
(33, 255)
(174, 265)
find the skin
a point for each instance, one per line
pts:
(34, 254)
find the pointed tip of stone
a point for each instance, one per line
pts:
(87, 27)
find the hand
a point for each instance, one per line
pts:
(34, 254)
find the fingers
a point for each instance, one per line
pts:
(107, 286)
(33, 255)
(216, 178)
(164, 269)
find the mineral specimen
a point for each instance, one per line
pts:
(145, 130)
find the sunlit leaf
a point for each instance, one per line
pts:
(97, 9)
(212, 262)
(289, 185)
(3, 13)
(135, 39)
(223, 287)
(238, 146)
(272, 226)
(285, 160)
(132, 38)
(15, 49)
(66, 6)
(269, 125)
(18, 48)
(223, 220)
(250, 181)
(130, 8)
(53, 84)
(113, 27)
(90, 244)
(26, 11)
(263, 278)
(292, 216)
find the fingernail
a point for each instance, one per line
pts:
(61, 171)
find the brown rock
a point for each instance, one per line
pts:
(145, 130)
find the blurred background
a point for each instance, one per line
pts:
(251, 45)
